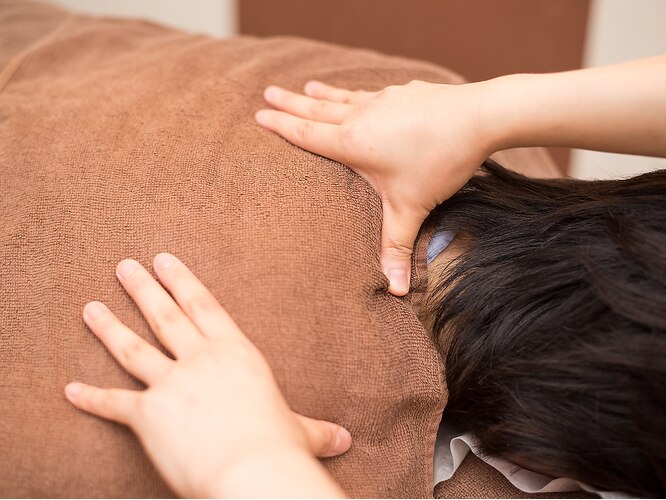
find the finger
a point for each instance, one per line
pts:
(399, 231)
(320, 90)
(307, 107)
(325, 439)
(194, 298)
(118, 405)
(320, 138)
(169, 323)
(134, 354)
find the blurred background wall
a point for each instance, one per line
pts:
(620, 30)
(212, 17)
(478, 38)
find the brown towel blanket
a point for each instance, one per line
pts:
(124, 139)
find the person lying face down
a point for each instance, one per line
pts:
(555, 320)
(140, 147)
(549, 308)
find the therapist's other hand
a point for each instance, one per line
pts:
(416, 144)
(216, 407)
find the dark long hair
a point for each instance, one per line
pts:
(553, 324)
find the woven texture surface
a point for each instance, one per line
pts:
(124, 139)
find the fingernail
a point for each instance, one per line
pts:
(72, 390)
(126, 267)
(94, 310)
(262, 116)
(399, 281)
(342, 440)
(271, 92)
(164, 260)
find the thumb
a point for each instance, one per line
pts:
(325, 439)
(399, 230)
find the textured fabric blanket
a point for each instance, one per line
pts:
(124, 139)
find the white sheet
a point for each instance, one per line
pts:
(453, 446)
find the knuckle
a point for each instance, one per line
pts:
(164, 318)
(348, 97)
(303, 131)
(131, 350)
(201, 304)
(318, 108)
(350, 133)
(397, 250)
(154, 404)
(170, 314)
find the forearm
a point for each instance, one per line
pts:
(279, 473)
(619, 108)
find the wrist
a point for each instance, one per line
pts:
(280, 471)
(503, 111)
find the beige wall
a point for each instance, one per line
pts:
(212, 17)
(621, 30)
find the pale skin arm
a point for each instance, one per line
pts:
(213, 421)
(618, 109)
(417, 144)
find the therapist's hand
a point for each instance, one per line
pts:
(416, 144)
(419, 143)
(213, 419)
